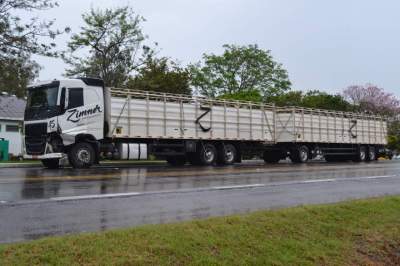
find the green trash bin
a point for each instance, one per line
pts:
(3, 149)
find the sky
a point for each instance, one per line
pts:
(326, 45)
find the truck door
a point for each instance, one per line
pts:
(84, 113)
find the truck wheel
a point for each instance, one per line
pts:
(300, 154)
(176, 160)
(81, 155)
(361, 155)
(227, 154)
(271, 157)
(207, 154)
(51, 163)
(371, 155)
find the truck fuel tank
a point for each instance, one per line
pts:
(132, 151)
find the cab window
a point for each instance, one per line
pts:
(75, 98)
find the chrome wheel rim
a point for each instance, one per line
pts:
(303, 155)
(209, 155)
(229, 155)
(362, 155)
(372, 155)
(83, 156)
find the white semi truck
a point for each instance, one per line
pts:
(84, 121)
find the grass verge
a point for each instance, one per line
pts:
(356, 232)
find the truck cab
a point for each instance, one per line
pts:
(60, 114)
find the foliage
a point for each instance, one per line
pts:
(20, 39)
(114, 41)
(323, 100)
(394, 135)
(16, 73)
(239, 69)
(372, 99)
(161, 75)
(246, 96)
(290, 98)
(312, 99)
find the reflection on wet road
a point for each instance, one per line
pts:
(39, 183)
(36, 202)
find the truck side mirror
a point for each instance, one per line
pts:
(62, 100)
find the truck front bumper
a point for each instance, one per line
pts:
(44, 156)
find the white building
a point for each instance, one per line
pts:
(11, 121)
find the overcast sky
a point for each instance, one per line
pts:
(324, 45)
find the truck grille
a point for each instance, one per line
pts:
(36, 130)
(35, 138)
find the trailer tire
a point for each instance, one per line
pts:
(51, 163)
(176, 160)
(206, 155)
(300, 154)
(371, 155)
(271, 157)
(227, 154)
(361, 155)
(82, 155)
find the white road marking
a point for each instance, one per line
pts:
(238, 186)
(97, 196)
(318, 181)
(233, 187)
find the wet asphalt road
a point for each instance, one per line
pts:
(36, 202)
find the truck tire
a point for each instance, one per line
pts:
(82, 155)
(206, 155)
(227, 154)
(51, 163)
(271, 157)
(300, 154)
(371, 155)
(176, 160)
(361, 155)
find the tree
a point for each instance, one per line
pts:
(114, 40)
(16, 74)
(247, 96)
(370, 98)
(322, 100)
(290, 98)
(239, 69)
(162, 75)
(312, 99)
(20, 39)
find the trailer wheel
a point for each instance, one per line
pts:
(300, 154)
(371, 155)
(207, 154)
(81, 155)
(361, 155)
(51, 163)
(176, 160)
(271, 157)
(226, 154)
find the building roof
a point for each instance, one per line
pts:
(12, 108)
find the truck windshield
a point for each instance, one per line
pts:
(42, 97)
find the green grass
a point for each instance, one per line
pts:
(357, 232)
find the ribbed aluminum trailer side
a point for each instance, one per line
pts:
(303, 133)
(177, 127)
